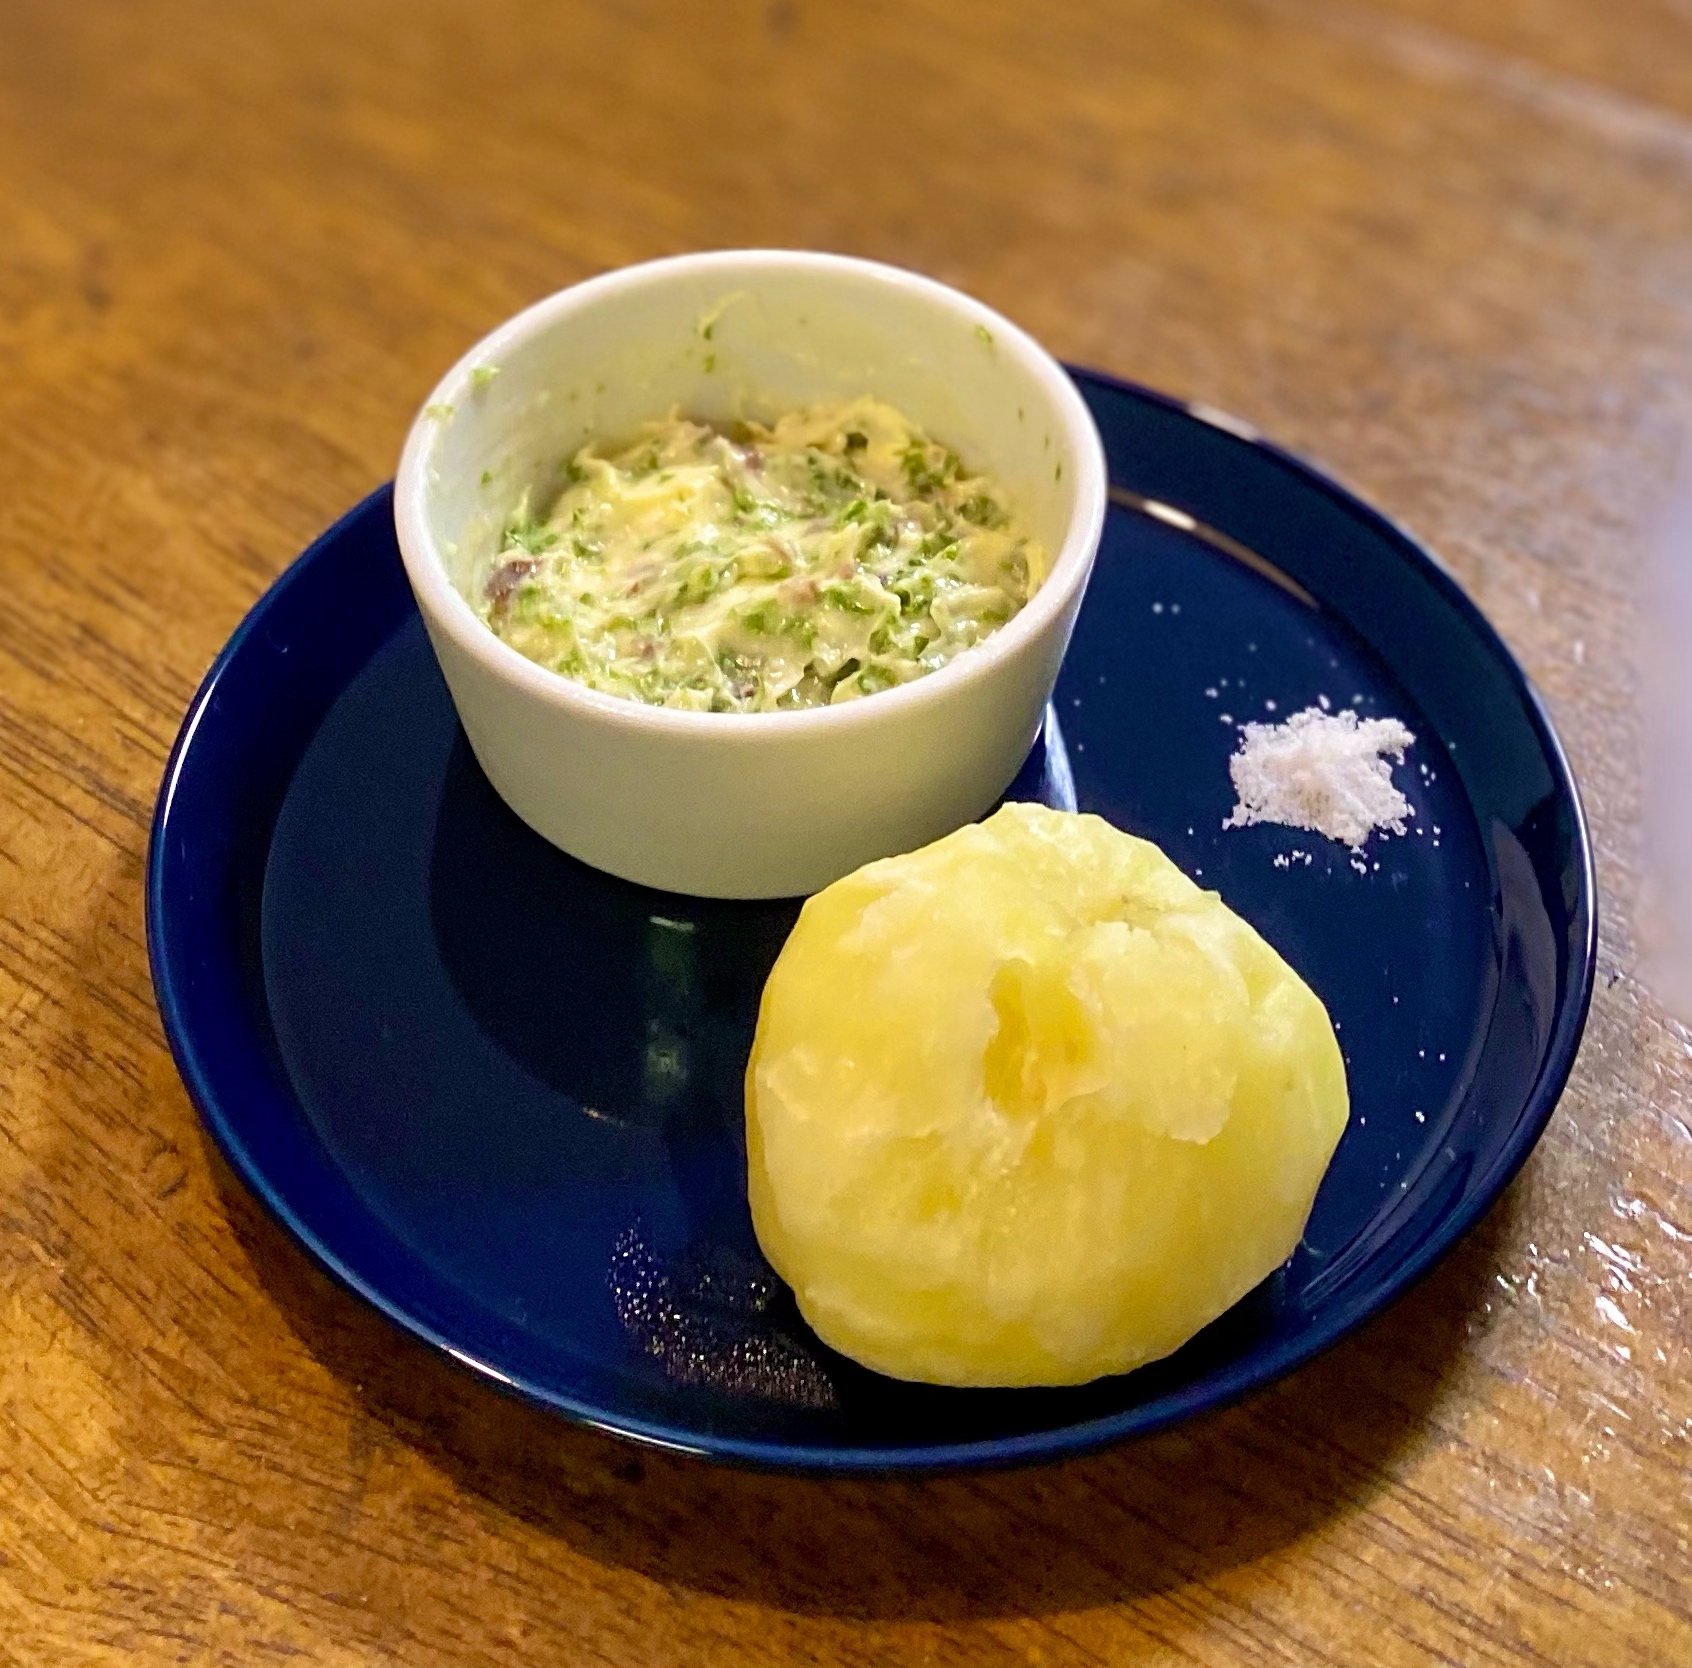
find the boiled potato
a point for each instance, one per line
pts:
(1028, 1107)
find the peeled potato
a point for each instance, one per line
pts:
(1028, 1107)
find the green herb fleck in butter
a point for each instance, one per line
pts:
(834, 555)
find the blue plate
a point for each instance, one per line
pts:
(498, 1094)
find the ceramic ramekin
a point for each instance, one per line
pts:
(745, 805)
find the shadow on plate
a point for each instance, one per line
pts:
(581, 980)
(598, 987)
(1190, 1503)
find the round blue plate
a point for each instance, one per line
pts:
(498, 1094)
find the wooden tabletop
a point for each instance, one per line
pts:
(1444, 246)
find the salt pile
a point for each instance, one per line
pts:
(1321, 771)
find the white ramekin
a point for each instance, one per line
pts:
(746, 805)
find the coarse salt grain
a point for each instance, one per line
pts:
(1321, 771)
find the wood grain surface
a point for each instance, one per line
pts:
(1443, 245)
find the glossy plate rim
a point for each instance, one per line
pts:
(1327, 1327)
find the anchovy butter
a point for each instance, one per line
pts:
(837, 553)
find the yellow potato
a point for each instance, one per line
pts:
(1028, 1107)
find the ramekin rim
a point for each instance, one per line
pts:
(449, 610)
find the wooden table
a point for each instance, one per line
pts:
(1444, 245)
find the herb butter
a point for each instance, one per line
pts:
(835, 554)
